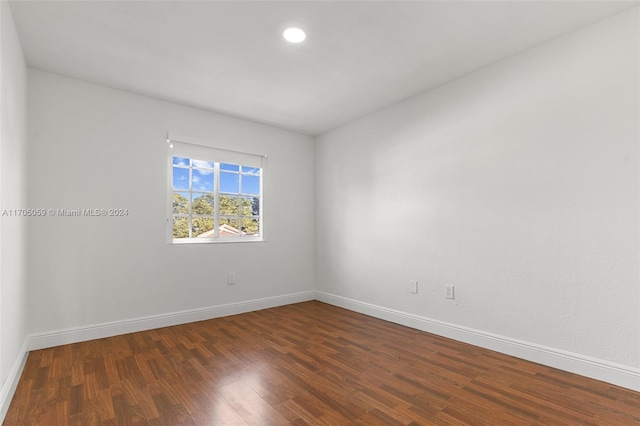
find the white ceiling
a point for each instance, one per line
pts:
(230, 57)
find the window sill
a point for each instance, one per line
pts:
(187, 241)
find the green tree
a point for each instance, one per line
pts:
(180, 203)
(250, 208)
(239, 212)
(203, 204)
(180, 227)
(180, 224)
(229, 205)
(201, 225)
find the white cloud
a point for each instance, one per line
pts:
(204, 167)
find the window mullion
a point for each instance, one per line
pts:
(240, 200)
(216, 200)
(190, 201)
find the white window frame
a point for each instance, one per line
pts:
(180, 146)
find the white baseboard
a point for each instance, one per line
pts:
(594, 368)
(99, 331)
(10, 385)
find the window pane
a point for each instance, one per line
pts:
(202, 180)
(181, 161)
(180, 227)
(229, 205)
(233, 167)
(181, 202)
(246, 207)
(250, 226)
(250, 184)
(202, 164)
(229, 182)
(255, 206)
(230, 227)
(202, 204)
(252, 170)
(180, 178)
(202, 227)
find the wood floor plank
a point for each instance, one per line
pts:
(303, 364)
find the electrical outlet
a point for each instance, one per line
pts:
(231, 280)
(413, 286)
(450, 292)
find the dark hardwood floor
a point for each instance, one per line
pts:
(308, 363)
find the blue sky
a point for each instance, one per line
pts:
(202, 178)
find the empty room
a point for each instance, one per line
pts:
(320, 212)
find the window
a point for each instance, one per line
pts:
(215, 194)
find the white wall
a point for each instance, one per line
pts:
(95, 147)
(13, 322)
(518, 184)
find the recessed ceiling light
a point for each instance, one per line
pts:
(294, 35)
